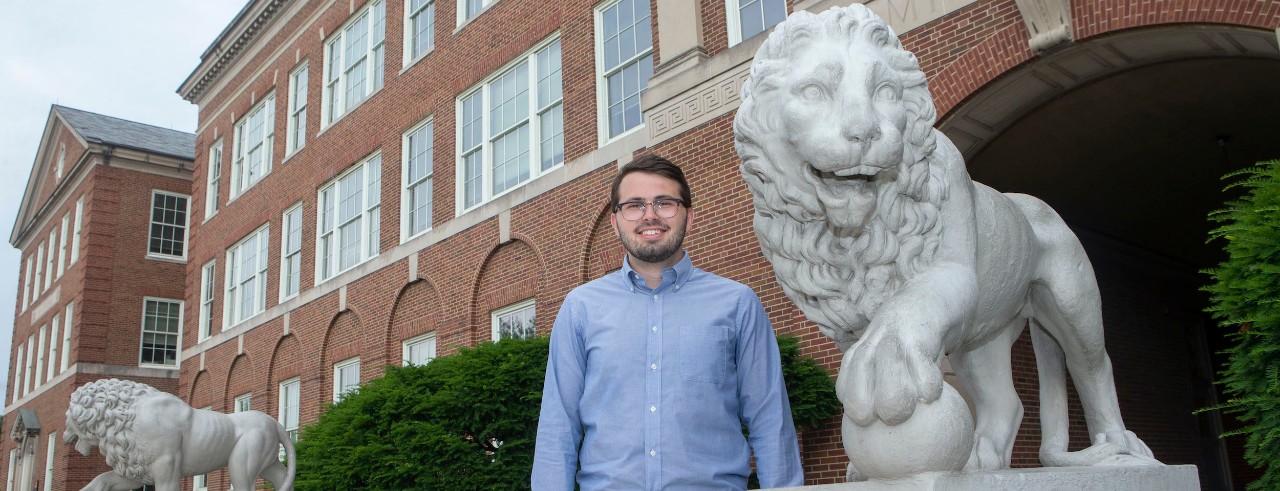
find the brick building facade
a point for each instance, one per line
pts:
(386, 181)
(102, 229)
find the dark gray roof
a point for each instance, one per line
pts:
(96, 128)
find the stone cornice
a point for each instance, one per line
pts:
(242, 31)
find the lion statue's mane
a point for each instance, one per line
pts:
(839, 278)
(103, 412)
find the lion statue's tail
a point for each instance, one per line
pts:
(291, 455)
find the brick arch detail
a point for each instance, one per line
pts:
(1006, 48)
(201, 395)
(416, 310)
(343, 338)
(286, 362)
(604, 251)
(241, 379)
(488, 291)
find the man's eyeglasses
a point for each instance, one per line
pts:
(634, 210)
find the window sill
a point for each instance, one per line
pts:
(167, 259)
(159, 367)
(510, 190)
(466, 22)
(324, 128)
(408, 64)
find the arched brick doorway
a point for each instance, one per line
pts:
(1126, 134)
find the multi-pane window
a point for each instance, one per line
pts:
(201, 482)
(48, 461)
(346, 377)
(244, 403)
(353, 61)
(49, 259)
(511, 126)
(291, 252)
(254, 139)
(420, 350)
(54, 326)
(62, 242)
(39, 272)
(168, 225)
(40, 356)
(297, 127)
(31, 360)
(624, 40)
(26, 283)
(289, 407)
(349, 208)
(514, 321)
(161, 326)
(75, 237)
(18, 377)
(66, 337)
(207, 286)
(246, 278)
(750, 17)
(215, 179)
(471, 8)
(62, 160)
(418, 172)
(420, 26)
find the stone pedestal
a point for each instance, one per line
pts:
(1100, 478)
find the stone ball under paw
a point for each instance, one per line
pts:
(937, 437)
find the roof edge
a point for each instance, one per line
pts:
(226, 48)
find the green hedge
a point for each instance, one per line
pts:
(1245, 296)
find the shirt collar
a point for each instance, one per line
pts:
(682, 271)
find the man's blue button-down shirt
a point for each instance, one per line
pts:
(656, 383)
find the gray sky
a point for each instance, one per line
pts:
(121, 58)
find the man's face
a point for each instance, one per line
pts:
(651, 239)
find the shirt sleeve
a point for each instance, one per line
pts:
(555, 455)
(762, 396)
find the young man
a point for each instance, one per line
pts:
(655, 368)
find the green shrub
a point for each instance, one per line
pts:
(1245, 298)
(461, 422)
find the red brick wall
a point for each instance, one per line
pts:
(562, 238)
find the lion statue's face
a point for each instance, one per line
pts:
(836, 136)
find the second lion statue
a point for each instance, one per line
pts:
(877, 233)
(152, 437)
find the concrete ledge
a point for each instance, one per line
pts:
(1167, 478)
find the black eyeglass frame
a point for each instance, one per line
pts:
(644, 206)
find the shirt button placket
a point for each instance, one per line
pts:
(653, 393)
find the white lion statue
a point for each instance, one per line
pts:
(152, 437)
(877, 233)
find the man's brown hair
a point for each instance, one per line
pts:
(652, 164)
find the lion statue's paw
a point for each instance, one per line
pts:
(884, 377)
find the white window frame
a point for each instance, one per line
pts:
(186, 225)
(427, 10)
(289, 413)
(26, 283)
(62, 242)
(38, 286)
(200, 482)
(334, 102)
(40, 375)
(177, 346)
(603, 74)
(19, 383)
(48, 460)
(50, 259)
(66, 336)
(520, 306)
(733, 14)
(214, 180)
(289, 271)
(79, 227)
(62, 160)
(408, 213)
(408, 346)
(341, 386)
(296, 128)
(533, 119)
(234, 284)
(241, 181)
(208, 287)
(243, 403)
(26, 380)
(55, 326)
(329, 247)
(464, 16)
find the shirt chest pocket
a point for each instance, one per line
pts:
(704, 354)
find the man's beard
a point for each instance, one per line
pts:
(654, 253)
